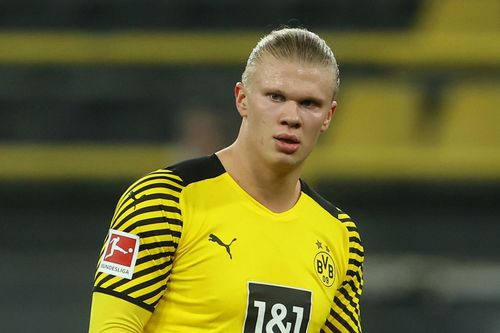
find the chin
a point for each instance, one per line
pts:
(289, 161)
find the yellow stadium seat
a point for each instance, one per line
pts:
(459, 15)
(375, 113)
(471, 116)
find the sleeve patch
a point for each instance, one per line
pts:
(120, 254)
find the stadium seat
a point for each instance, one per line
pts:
(459, 15)
(471, 116)
(375, 113)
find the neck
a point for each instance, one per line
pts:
(275, 187)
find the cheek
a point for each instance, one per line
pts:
(316, 124)
(313, 132)
(261, 117)
(258, 126)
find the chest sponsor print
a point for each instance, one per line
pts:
(277, 309)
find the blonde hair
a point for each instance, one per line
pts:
(296, 44)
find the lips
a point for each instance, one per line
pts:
(287, 143)
(287, 138)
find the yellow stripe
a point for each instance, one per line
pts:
(370, 163)
(120, 162)
(111, 281)
(89, 162)
(450, 49)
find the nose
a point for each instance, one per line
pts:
(290, 115)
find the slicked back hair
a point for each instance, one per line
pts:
(295, 44)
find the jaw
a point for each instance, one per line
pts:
(283, 163)
(263, 152)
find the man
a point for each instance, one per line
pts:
(236, 241)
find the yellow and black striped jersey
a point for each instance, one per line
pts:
(197, 252)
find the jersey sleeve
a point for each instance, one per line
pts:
(110, 314)
(345, 314)
(149, 213)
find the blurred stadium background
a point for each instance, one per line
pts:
(94, 94)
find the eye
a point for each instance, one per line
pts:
(309, 103)
(276, 97)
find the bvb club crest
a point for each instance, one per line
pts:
(324, 265)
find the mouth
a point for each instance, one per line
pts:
(287, 144)
(290, 139)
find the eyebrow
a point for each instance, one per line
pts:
(314, 100)
(270, 89)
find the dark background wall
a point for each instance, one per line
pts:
(94, 94)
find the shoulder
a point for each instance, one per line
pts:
(197, 169)
(321, 201)
(334, 211)
(175, 177)
(355, 245)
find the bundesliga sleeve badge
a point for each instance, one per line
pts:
(120, 254)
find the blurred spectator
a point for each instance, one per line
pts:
(200, 131)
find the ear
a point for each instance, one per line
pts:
(329, 116)
(241, 98)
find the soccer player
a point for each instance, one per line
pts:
(237, 241)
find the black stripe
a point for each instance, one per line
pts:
(354, 289)
(344, 308)
(342, 321)
(149, 246)
(156, 220)
(355, 262)
(164, 175)
(173, 221)
(144, 198)
(325, 204)
(355, 239)
(155, 256)
(352, 285)
(153, 294)
(150, 197)
(348, 298)
(155, 303)
(103, 248)
(352, 228)
(153, 269)
(169, 175)
(124, 297)
(159, 232)
(149, 209)
(137, 191)
(159, 255)
(147, 222)
(146, 284)
(98, 263)
(144, 222)
(198, 169)
(354, 274)
(102, 252)
(105, 279)
(97, 276)
(330, 325)
(144, 272)
(357, 251)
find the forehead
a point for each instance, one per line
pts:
(294, 75)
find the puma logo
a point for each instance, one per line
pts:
(136, 200)
(215, 239)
